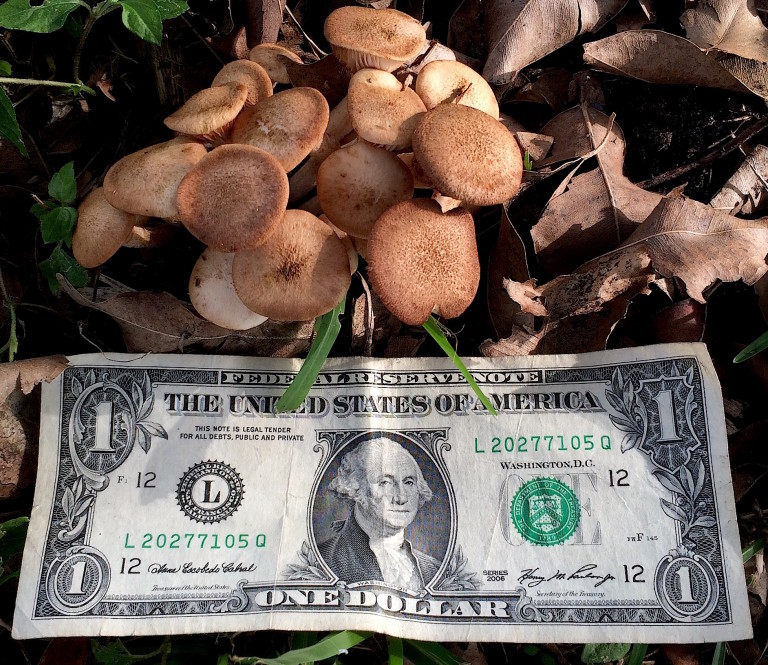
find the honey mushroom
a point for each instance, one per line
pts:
(250, 74)
(420, 258)
(270, 57)
(288, 125)
(213, 294)
(383, 39)
(300, 272)
(233, 197)
(447, 81)
(209, 114)
(382, 110)
(358, 183)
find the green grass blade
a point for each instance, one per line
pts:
(760, 344)
(637, 655)
(433, 328)
(395, 651)
(328, 647)
(327, 328)
(429, 653)
(750, 550)
(719, 657)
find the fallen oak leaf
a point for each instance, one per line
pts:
(521, 32)
(661, 57)
(745, 191)
(327, 75)
(733, 26)
(26, 374)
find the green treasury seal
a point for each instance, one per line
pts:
(545, 511)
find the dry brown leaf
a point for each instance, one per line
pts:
(600, 208)
(523, 31)
(661, 57)
(682, 654)
(681, 238)
(157, 322)
(733, 26)
(536, 145)
(26, 374)
(19, 431)
(67, 651)
(327, 75)
(466, 32)
(745, 192)
(549, 88)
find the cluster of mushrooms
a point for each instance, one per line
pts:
(243, 155)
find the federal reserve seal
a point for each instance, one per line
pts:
(210, 492)
(545, 511)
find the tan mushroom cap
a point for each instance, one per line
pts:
(288, 125)
(233, 198)
(145, 182)
(299, 273)
(213, 295)
(445, 81)
(468, 155)
(250, 74)
(270, 57)
(209, 113)
(101, 229)
(358, 183)
(352, 255)
(382, 110)
(420, 258)
(157, 233)
(380, 38)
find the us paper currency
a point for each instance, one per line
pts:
(597, 506)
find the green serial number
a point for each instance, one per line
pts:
(547, 442)
(194, 541)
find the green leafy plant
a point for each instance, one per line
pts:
(751, 550)
(329, 647)
(751, 350)
(57, 224)
(142, 17)
(527, 161)
(603, 653)
(13, 533)
(719, 656)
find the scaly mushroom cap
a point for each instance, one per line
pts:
(379, 38)
(209, 113)
(233, 198)
(288, 125)
(270, 57)
(299, 273)
(420, 258)
(145, 182)
(468, 155)
(382, 110)
(213, 295)
(101, 229)
(250, 74)
(358, 183)
(445, 81)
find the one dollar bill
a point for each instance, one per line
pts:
(596, 507)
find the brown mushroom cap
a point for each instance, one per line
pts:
(382, 110)
(299, 273)
(444, 81)
(233, 198)
(210, 112)
(468, 155)
(250, 74)
(420, 258)
(101, 229)
(380, 38)
(270, 57)
(213, 295)
(358, 183)
(145, 182)
(288, 125)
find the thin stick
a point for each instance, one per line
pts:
(318, 51)
(52, 84)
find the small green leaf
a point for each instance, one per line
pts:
(142, 18)
(328, 647)
(530, 649)
(433, 328)
(58, 224)
(637, 655)
(13, 533)
(63, 187)
(171, 8)
(113, 653)
(718, 657)
(429, 653)
(604, 653)
(61, 262)
(48, 17)
(9, 127)
(5, 68)
(395, 650)
(760, 344)
(74, 25)
(327, 329)
(527, 161)
(751, 550)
